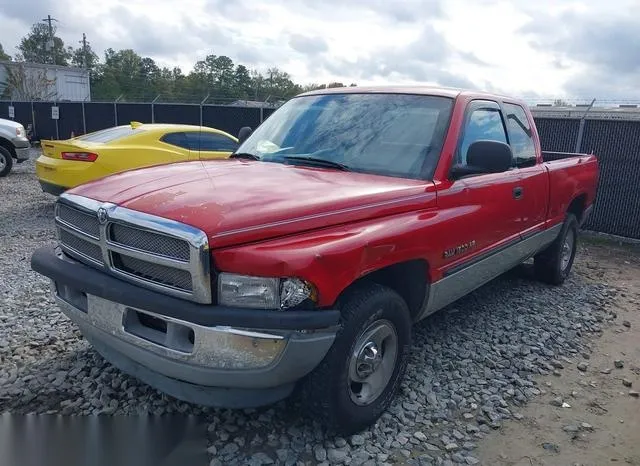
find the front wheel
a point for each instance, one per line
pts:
(6, 162)
(554, 263)
(361, 374)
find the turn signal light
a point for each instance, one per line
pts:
(80, 156)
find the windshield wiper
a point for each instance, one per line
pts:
(244, 155)
(318, 161)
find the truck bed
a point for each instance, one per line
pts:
(570, 174)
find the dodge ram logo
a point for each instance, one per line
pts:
(459, 249)
(102, 215)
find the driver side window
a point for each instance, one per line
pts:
(483, 123)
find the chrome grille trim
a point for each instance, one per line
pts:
(79, 245)
(167, 276)
(140, 255)
(69, 212)
(142, 240)
(79, 219)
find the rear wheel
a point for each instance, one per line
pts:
(361, 374)
(6, 161)
(553, 265)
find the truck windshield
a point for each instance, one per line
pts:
(386, 134)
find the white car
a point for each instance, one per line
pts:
(14, 144)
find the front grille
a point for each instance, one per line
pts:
(82, 221)
(149, 242)
(157, 273)
(153, 252)
(80, 246)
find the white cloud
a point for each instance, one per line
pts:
(545, 48)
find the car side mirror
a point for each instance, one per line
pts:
(244, 133)
(485, 156)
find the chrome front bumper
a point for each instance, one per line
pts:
(217, 356)
(23, 148)
(201, 353)
(22, 154)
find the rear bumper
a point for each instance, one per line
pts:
(65, 173)
(51, 188)
(199, 353)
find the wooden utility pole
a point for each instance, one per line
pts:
(50, 43)
(84, 50)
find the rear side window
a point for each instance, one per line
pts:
(483, 123)
(520, 136)
(216, 142)
(176, 139)
(110, 134)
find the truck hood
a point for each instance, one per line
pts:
(237, 201)
(9, 124)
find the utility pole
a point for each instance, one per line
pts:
(84, 50)
(50, 44)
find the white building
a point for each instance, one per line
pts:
(20, 81)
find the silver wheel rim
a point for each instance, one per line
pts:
(3, 162)
(372, 362)
(567, 250)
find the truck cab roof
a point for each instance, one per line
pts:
(438, 91)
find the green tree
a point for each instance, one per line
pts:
(3, 55)
(279, 85)
(313, 87)
(39, 47)
(242, 83)
(85, 58)
(170, 84)
(218, 76)
(128, 74)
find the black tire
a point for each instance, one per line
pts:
(327, 392)
(549, 266)
(6, 162)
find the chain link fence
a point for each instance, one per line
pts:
(612, 134)
(75, 118)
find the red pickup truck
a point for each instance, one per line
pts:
(305, 258)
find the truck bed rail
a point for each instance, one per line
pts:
(549, 156)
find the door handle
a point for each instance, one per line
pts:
(517, 192)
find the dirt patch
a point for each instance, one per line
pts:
(587, 413)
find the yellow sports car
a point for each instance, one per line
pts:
(69, 163)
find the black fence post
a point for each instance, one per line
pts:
(33, 120)
(55, 104)
(581, 128)
(84, 119)
(153, 109)
(201, 104)
(115, 110)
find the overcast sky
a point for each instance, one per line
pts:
(547, 48)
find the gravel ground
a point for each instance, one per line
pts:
(473, 366)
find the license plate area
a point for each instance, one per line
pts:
(76, 298)
(162, 332)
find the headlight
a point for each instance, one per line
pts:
(20, 132)
(262, 292)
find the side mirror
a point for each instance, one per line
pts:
(485, 156)
(244, 133)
